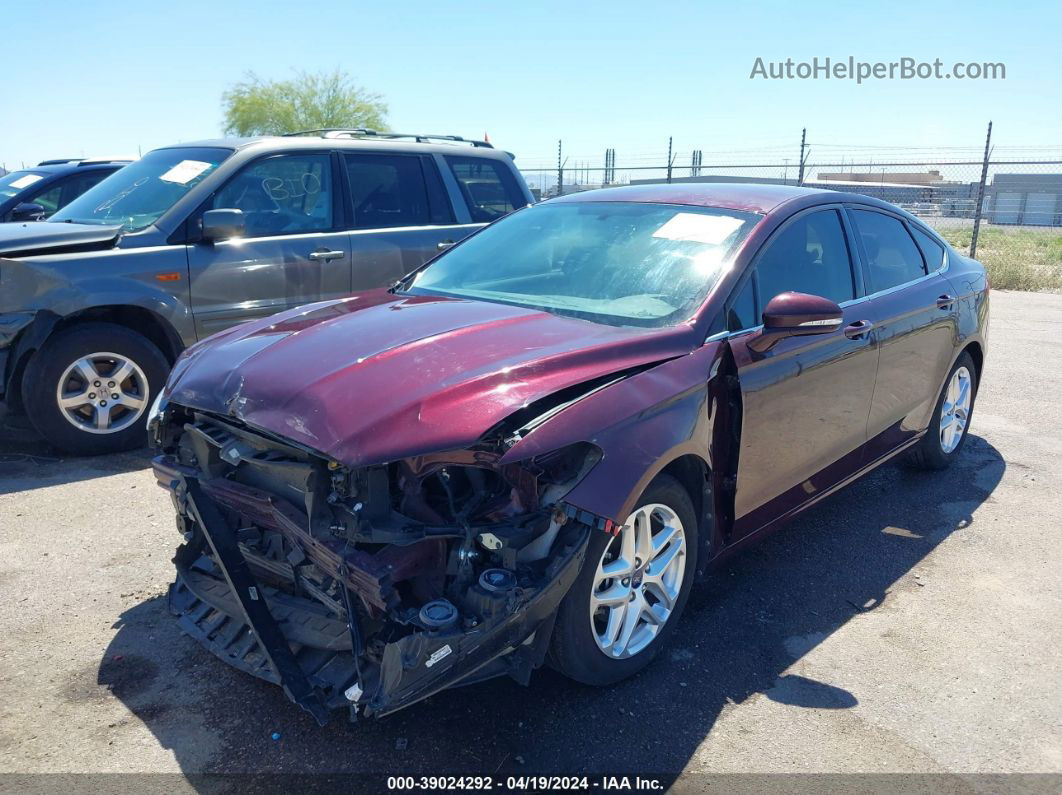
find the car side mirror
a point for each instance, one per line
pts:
(223, 224)
(28, 211)
(795, 315)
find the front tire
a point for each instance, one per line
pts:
(88, 389)
(947, 430)
(631, 592)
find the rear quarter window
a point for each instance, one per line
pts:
(931, 249)
(489, 188)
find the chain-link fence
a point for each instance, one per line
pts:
(1002, 209)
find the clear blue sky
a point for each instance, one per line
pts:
(112, 77)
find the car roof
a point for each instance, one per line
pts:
(288, 142)
(748, 197)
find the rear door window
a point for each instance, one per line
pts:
(387, 191)
(892, 257)
(489, 188)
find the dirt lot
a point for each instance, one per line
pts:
(910, 623)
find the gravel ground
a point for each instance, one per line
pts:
(911, 623)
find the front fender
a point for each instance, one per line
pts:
(64, 284)
(640, 424)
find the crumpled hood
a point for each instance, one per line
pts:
(378, 377)
(52, 237)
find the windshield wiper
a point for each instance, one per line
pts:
(396, 287)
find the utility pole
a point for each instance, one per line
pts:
(803, 139)
(980, 194)
(669, 160)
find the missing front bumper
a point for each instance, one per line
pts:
(296, 643)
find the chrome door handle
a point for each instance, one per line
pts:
(858, 329)
(326, 255)
(442, 245)
(945, 302)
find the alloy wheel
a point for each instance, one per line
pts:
(955, 409)
(638, 581)
(102, 393)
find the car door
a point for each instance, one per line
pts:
(294, 249)
(400, 214)
(915, 317)
(805, 401)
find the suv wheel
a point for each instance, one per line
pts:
(631, 591)
(951, 418)
(88, 389)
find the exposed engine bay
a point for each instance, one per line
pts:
(368, 588)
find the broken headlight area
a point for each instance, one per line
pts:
(367, 588)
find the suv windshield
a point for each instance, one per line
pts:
(617, 263)
(138, 194)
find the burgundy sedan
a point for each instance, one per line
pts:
(529, 449)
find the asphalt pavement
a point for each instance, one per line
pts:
(912, 623)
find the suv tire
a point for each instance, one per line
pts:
(73, 401)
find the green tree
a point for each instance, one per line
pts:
(308, 101)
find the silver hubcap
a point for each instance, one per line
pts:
(102, 393)
(638, 581)
(955, 410)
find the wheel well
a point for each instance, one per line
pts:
(135, 318)
(692, 473)
(978, 355)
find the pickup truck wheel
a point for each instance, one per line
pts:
(87, 390)
(631, 591)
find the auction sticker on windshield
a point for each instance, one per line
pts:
(185, 171)
(699, 228)
(26, 181)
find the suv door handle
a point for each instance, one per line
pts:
(945, 301)
(858, 329)
(326, 255)
(442, 245)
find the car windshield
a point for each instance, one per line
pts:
(138, 194)
(17, 181)
(617, 263)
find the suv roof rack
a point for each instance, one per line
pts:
(364, 132)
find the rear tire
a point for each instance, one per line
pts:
(88, 389)
(579, 646)
(945, 438)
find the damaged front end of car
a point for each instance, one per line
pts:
(374, 587)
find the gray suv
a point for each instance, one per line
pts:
(97, 302)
